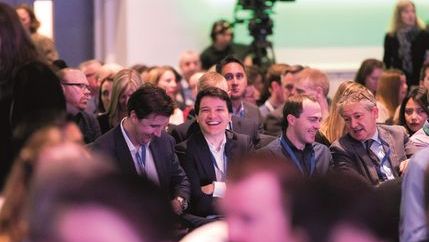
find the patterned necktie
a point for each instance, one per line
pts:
(141, 159)
(375, 160)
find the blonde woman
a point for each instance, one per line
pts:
(125, 83)
(166, 78)
(406, 45)
(391, 90)
(333, 127)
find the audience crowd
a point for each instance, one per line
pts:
(215, 150)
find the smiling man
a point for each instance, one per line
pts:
(372, 151)
(140, 145)
(206, 153)
(302, 116)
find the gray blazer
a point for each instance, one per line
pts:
(350, 155)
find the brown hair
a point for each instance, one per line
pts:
(34, 22)
(388, 89)
(333, 127)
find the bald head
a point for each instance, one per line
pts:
(75, 87)
(189, 64)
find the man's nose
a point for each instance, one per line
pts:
(157, 132)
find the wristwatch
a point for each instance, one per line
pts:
(183, 202)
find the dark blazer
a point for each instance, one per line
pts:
(419, 46)
(88, 125)
(321, 153)
(239, 125)
(194, 155)
(103, 121)
(350, 155)
(172, 178)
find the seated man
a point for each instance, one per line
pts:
(206, 153)
(375, 152)
(77, 95)
(302, 117)
(238, 125)
(140, 145)
(234, 72)
(257, 204)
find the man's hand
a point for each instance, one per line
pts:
(403, 166)
(177, 206)
(208, 189)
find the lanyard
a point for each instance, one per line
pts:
(213, 160)
(286, 149)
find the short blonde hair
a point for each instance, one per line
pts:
(210, 79)
(316, 77)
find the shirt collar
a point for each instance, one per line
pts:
(133, 149)
(213, 148)
(375, 137)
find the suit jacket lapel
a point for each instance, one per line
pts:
(122, 152)
(386, 139)
(159, 160)
(368, 164)
(229, 145)
(204, 155)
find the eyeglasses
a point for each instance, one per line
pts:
(80, 85)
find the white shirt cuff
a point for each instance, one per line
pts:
(219, 189)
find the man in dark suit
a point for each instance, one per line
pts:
(234, 72)
(374, 152)
(140, 145)
(77, 95)
(206, 153)
(302, 116)
(239, 125)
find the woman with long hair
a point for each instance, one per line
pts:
(44, 45)
(166, 78)
(333, 127)
(16, 49)
(406, 45)
(414, 111)
(369, 73)
(391, 90)
(125, 83)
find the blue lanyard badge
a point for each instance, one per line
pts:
(222, 173)
(287, 150)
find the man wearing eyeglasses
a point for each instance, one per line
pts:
(77, 95)
(375, 152)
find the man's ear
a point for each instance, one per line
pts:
(273, 86)
(290, 119)
(133, 116)
(375, 111)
